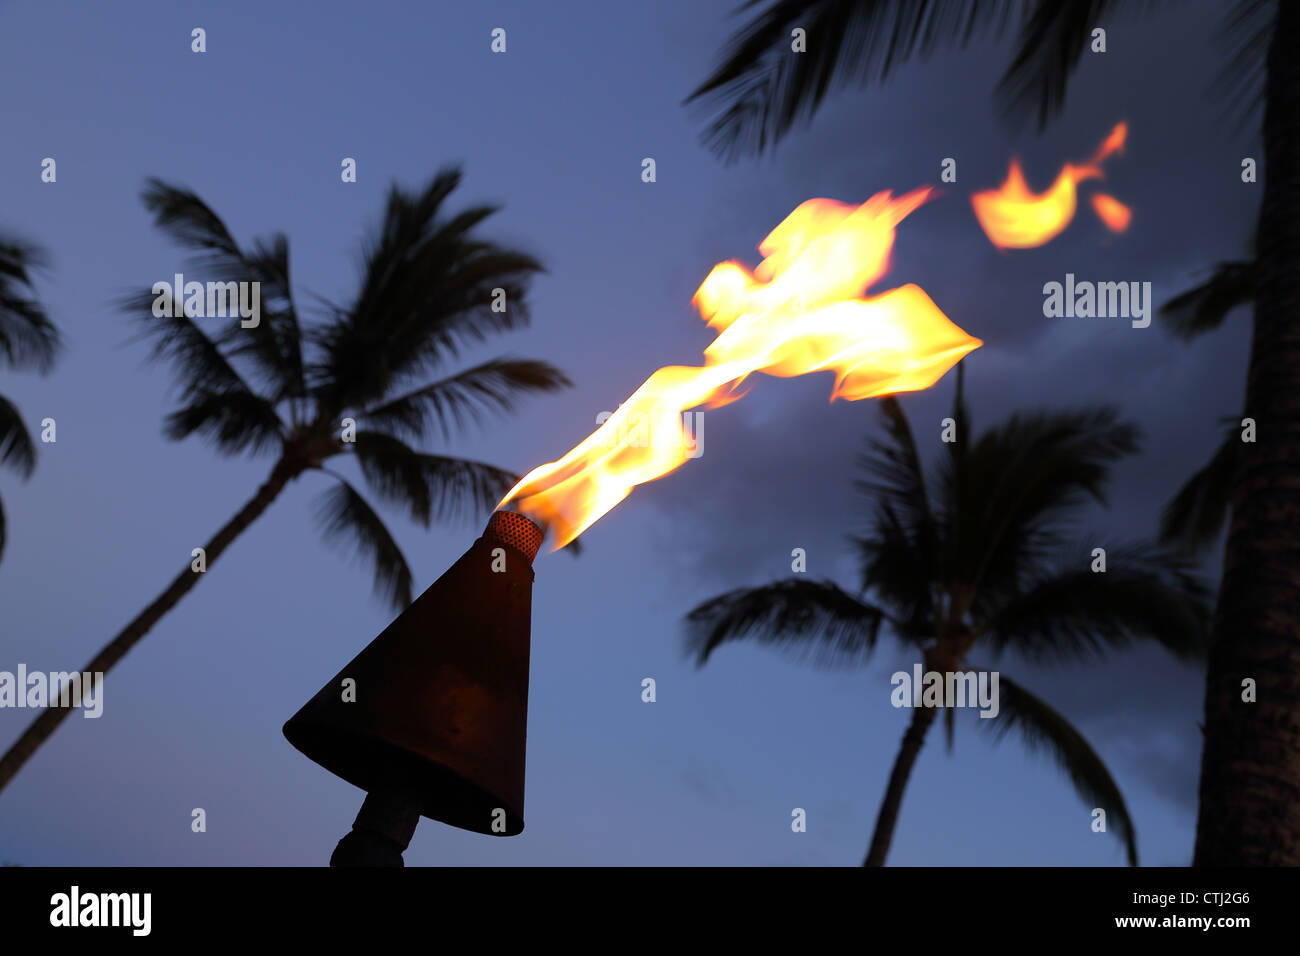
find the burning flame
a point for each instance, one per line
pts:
(800, 311)
(1112, 212)
(1014, 217)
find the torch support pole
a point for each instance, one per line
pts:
(381, 833)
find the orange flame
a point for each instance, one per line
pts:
(1014, 217)
(800, 311)
(1112, 212)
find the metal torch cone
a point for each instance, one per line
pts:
(431, 717)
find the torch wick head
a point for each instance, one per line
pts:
(513, 529)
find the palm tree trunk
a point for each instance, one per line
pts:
(49, 719)
(922, 718)
(1249, 810)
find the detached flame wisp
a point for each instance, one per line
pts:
(801, 310)
(1015, 217)
(1112, 212)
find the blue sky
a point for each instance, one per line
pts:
(555, 130)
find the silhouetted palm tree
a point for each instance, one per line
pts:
(1248, 812)
(427, 289)
(28, 340)
(974, 556)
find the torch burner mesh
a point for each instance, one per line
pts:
(512, 528)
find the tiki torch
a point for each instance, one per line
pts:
(430, 718)
(437, 725)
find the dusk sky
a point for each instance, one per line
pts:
(555, 131)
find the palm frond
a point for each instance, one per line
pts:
(189, 221)
(763, 87)
(427, 289)
(1042, 728)
(441, 304)
(464, 397)
(348, 521)
(28, 339)
(813, 619)
(429, 486)
(274, 345)
(1145, 593)
(1051, 41)
(898, 568)
(234, 421)
(200, 367)
(1019, 481)
(1247, 29)
(952, 483)
(960, 413)
(191, 224)
(1203, 307)
(894, 469)
(899, 558)
(16, 447)
(406, 220)
(1196, 514)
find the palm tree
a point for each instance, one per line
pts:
(1248, 811)
(28, 340)
(974, 556)
(282, 388)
